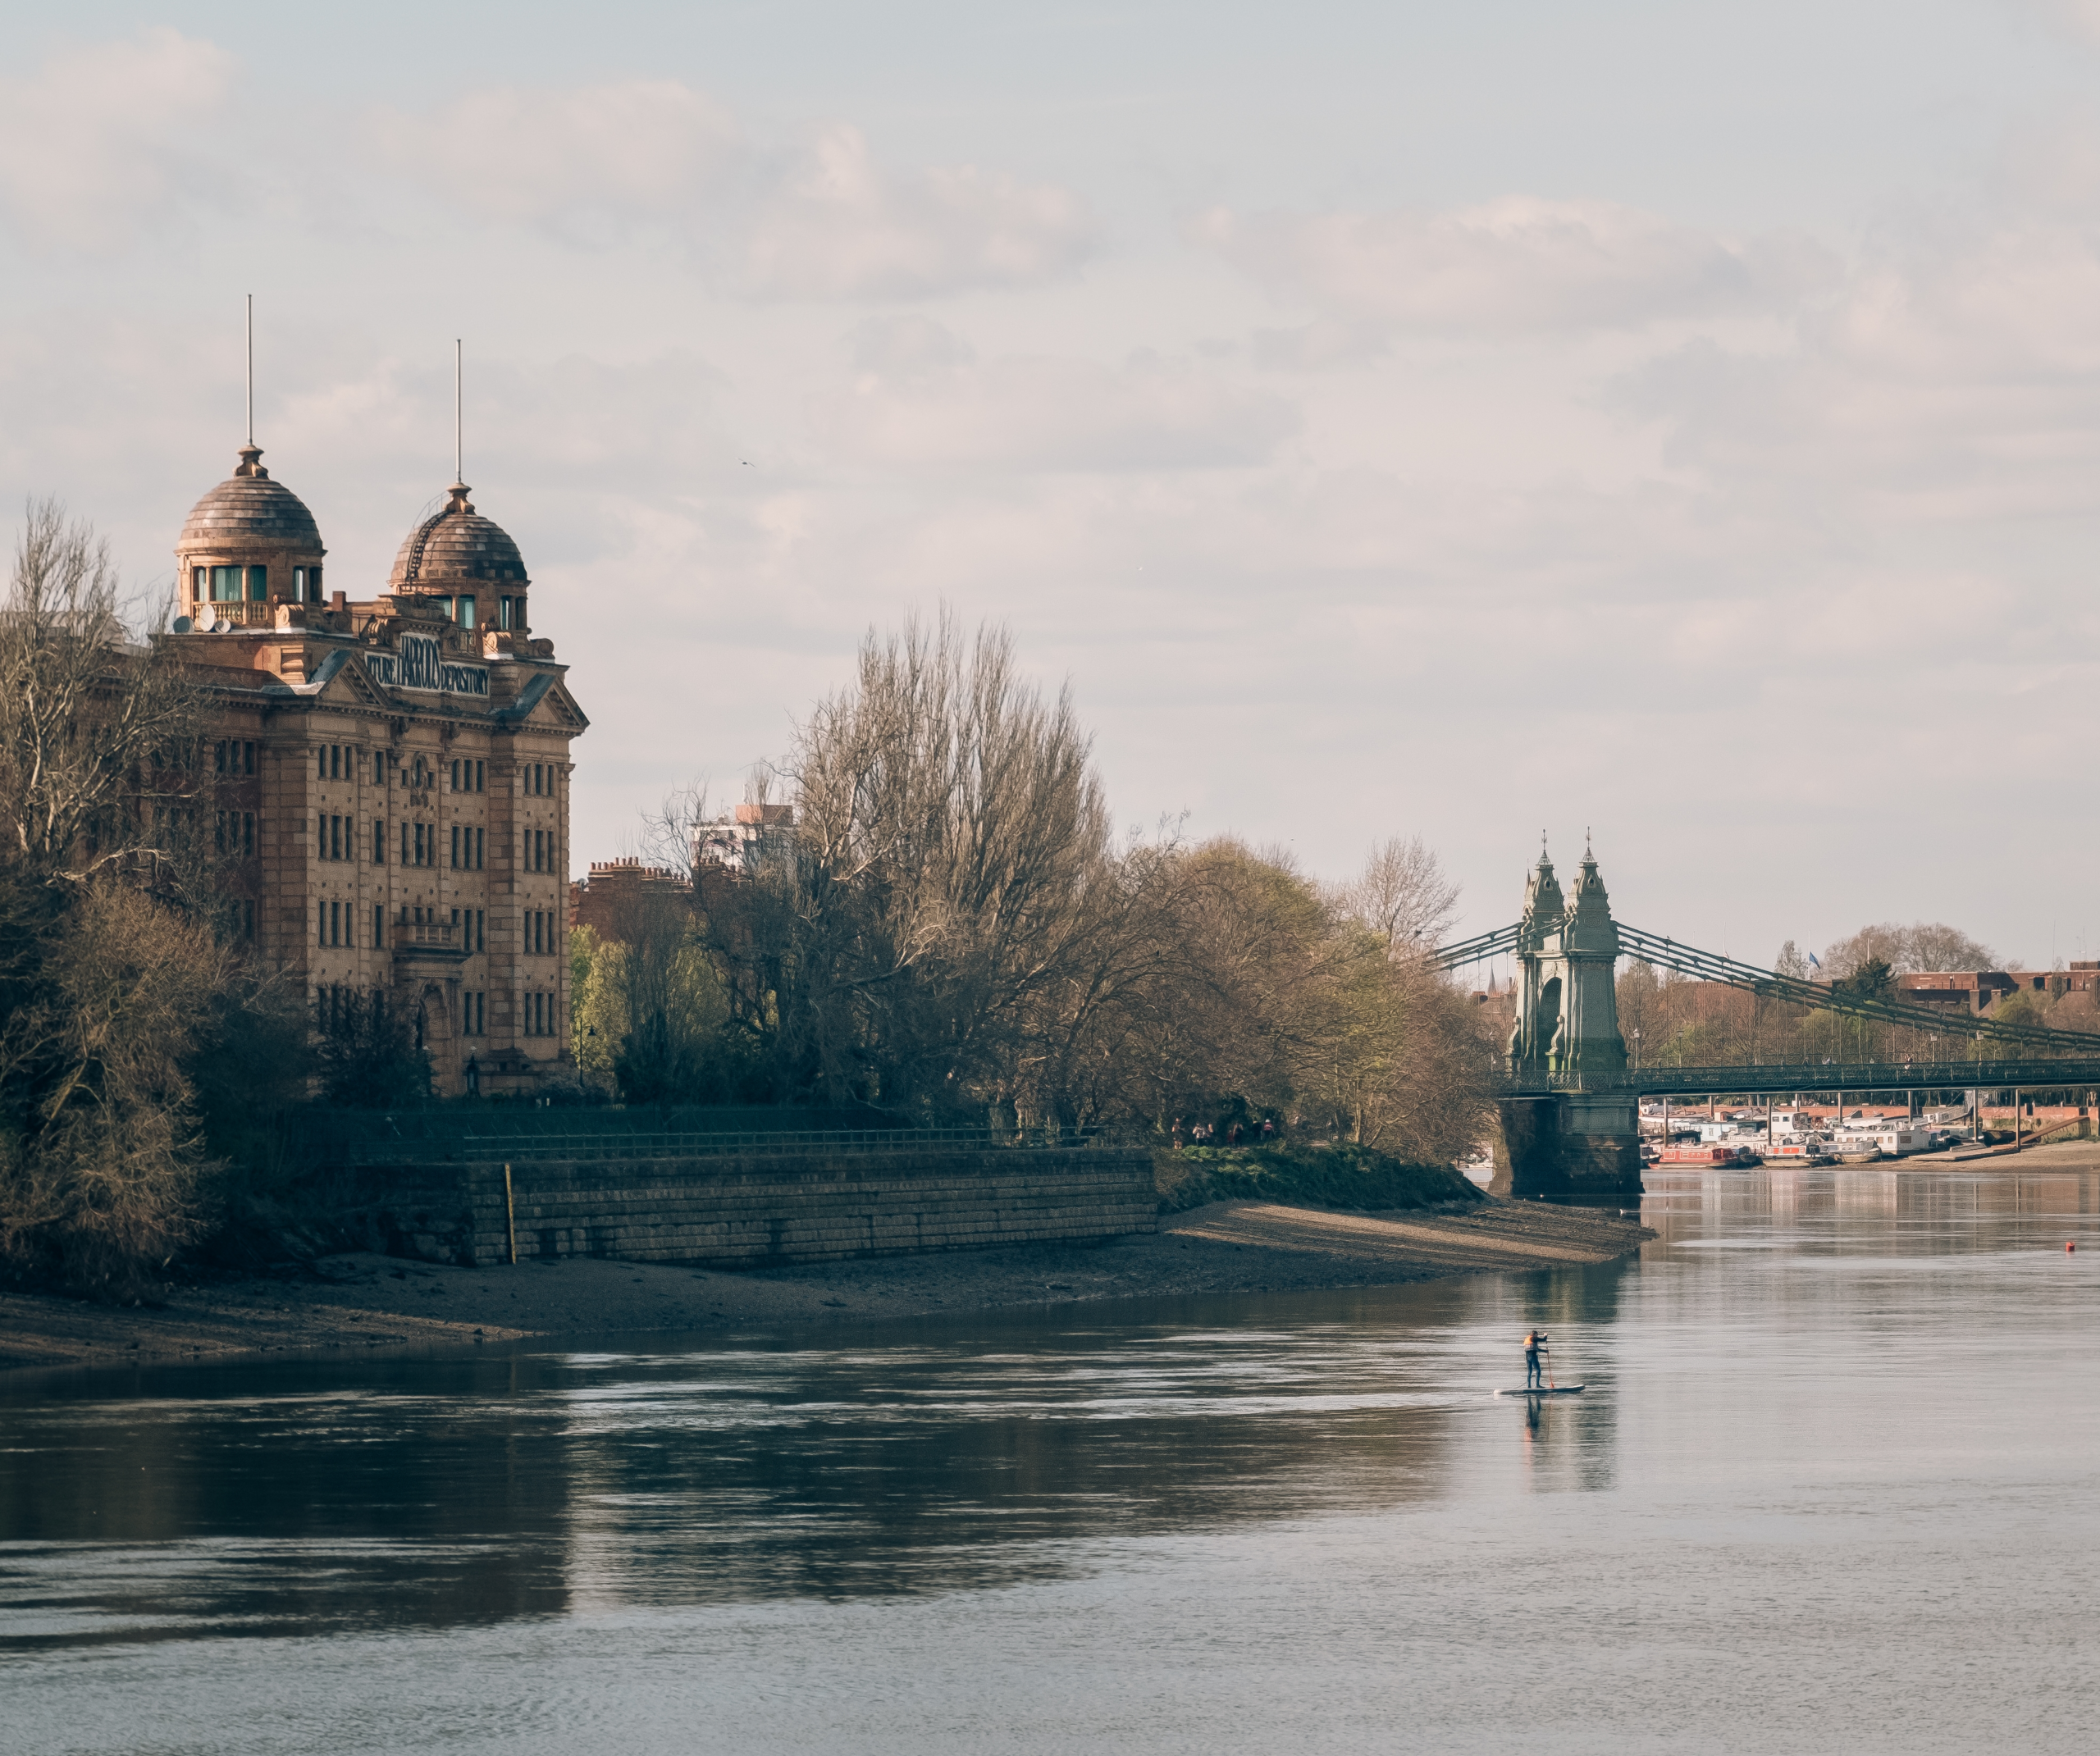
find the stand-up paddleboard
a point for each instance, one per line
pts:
(1555, 1390)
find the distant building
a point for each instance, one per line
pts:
(391, 773)
(608, 900)
(1977, 991)
(752, 838)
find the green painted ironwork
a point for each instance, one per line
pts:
(1860, 1077)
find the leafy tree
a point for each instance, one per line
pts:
(1870, 979)
(368, 1054)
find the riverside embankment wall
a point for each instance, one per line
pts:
(756, 1209)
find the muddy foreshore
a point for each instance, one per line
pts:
(364, 1301)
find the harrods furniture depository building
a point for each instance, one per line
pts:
(391, 772)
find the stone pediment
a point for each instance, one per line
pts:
(545, 701)
(350, 683)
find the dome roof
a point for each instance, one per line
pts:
(248, 510)
(456, 544)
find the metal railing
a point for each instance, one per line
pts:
(241, 615)
(1862, 1077)
(514, 1148)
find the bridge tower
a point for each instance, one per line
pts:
(1569, 1127)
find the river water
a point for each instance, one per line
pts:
(1833, 1485)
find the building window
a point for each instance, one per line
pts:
(467, 613)
(405, 842)
(298, 584)
(258, 584)
(504, 613)
(247, 758)
(225, 585)
(480, 849)
(419, 844)
(378, 926)
(321, 922)
(481, 929)
(247, 834)
(219, 757)
(196, 581)
(321, 762)
(481, 777)
(379, 841)
(455, 847)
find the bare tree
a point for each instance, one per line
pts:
(98, 738)
(949, 829)
(110, 976)
(1921, 945)
(1403, 895)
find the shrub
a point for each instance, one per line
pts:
(1357, 1179)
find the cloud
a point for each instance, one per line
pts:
(1513, 266)
(820, 221)
(583, 163)
(2079, 19)
(1954, 377)
(99, 142)
(919, 395)
(838, 227)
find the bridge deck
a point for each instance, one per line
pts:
(1827, 1076)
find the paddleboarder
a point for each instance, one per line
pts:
(1533, 1342)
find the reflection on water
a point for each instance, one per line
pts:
(1820, 1394)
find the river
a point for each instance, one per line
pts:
(1832, 1484)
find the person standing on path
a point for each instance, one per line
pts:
(1533, 1342)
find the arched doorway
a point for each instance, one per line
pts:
(435, 1039)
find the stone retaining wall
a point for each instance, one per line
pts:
(759, 1209)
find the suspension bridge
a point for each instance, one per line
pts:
(1570, 1101)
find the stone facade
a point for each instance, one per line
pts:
(393, 771)
(1574, 1141)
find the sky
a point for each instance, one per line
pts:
(1678, 425)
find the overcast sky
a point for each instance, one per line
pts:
(1676, 421)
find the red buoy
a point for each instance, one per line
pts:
(2072, 1245)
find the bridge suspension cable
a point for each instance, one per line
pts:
(1475, 950)
(1710, 966)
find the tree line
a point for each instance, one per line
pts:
(147, 1065)
(957, 932)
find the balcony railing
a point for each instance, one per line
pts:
(241, 615)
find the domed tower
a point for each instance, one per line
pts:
(468, 564)
(248, 546)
